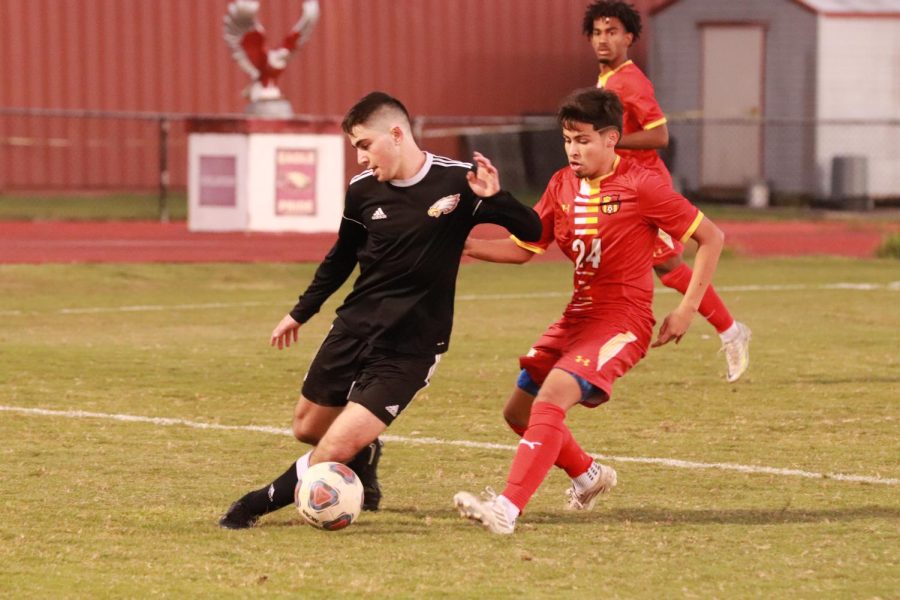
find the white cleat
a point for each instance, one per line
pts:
(586, 499)
(488, 511)
(737, 353)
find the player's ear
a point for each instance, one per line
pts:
(612, 138)
(397, 134)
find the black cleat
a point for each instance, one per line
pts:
(238, 517)
(371, 496)
(366, 466)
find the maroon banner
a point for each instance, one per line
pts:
(218, 181)
(295, 182)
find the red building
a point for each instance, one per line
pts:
(461, 58)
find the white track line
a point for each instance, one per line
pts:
(892, 286)
(667, 462)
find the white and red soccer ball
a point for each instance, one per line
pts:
(329, 496)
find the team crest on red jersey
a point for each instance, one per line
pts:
(609, 205)
(443, 206)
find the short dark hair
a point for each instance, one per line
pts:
(596, 106)
(622, 11)
(371, 103)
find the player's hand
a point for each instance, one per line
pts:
(674, 326)
(285, 333)
(485, 181)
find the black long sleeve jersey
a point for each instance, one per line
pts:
(407, 237)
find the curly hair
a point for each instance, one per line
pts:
(622, 11)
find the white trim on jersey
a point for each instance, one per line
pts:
(449, 162)
(363, 225)
(363, 175)
(429, 157)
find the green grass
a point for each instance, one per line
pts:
(118, 207)
(103, 207)
(890, 248)
(93, 507)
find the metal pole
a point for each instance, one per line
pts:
(164, 125)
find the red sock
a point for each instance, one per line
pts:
(572, 458)
(538, 450)
(711, 306)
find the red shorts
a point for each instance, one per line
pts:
(598, 351)
(664, 248)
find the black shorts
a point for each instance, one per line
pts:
(348, 369)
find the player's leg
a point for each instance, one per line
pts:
(536, 364)
(338, 365)
(617, 348)
(517, 411)
(365, 464)
(310, 424)
(353, 430)
(674, 273)
(323, 397)
(311, 421)
(595, 356)
(537, 451)
(383, 389)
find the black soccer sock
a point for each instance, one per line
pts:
(366, 461)
(277, 494)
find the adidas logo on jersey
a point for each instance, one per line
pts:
(393, 409)
(378, 214)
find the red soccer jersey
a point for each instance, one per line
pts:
(642, 111)
(607, 227)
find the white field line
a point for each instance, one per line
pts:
(666, 462)
(892, 286)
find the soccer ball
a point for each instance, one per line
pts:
(329, 496)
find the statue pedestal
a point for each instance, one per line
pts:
(270, 109)
(264, 175)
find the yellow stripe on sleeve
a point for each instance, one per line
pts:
(694, 225)
(526, 245)
(655, 124)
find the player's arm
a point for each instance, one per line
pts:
(500, 207)
(498, 251)
(710, 240)
(639, 100)
(331, 275)
(514, 249)
(655, 138)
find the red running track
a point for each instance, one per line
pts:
(139, 242)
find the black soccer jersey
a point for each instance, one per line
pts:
(407, 237)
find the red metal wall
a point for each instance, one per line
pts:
(441, 57)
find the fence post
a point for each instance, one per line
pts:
(164, 169)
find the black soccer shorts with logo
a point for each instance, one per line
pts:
(347, 369)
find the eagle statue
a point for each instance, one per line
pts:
(247, 41)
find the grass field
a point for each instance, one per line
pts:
(146, 207)
(99, 506)
(96, 207)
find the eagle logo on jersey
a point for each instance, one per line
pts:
(443, 206)
(609, 205)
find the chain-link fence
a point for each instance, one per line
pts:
(838, 162)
